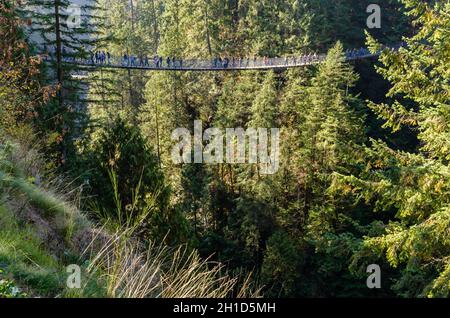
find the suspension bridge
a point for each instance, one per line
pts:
(199, 65)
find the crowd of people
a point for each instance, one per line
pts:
(357, 53)
(103, 57)
(144, 61)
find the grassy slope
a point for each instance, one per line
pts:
(41, 234)
(28, 257)
(24, 259)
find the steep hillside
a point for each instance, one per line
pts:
(40, 233)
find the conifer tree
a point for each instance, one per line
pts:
(329, 135)
(21, 92)
(414, 185)
(60, 35)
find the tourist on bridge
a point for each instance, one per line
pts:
(347, 53)
(226, 61)
(168, 61)
(109, 57)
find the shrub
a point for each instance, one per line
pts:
(9, 290)
(128, 185)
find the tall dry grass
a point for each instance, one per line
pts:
(163, 272)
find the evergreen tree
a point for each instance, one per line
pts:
(413, 185)
(21, 92)
(61, 38)
(328, 138)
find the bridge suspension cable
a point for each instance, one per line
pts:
(217, 64)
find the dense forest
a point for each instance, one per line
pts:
(87, 175)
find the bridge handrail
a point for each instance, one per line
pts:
(134, 62)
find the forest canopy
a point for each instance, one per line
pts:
(362, 172)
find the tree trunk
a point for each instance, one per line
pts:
(59, 72)
(208, 37)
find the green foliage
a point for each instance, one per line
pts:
(67, 219)
(23, 256)
(328, 137)
(21, 94)
(415, 185)
(127, 184)
(339, 200)
(62, 118)
(8, 290)
(281, 269)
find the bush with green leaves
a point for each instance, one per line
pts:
(127, 184)
(9, 290)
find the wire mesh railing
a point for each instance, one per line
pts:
(102, 59)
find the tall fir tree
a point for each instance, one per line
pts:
(63, 35)
(412, 186)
